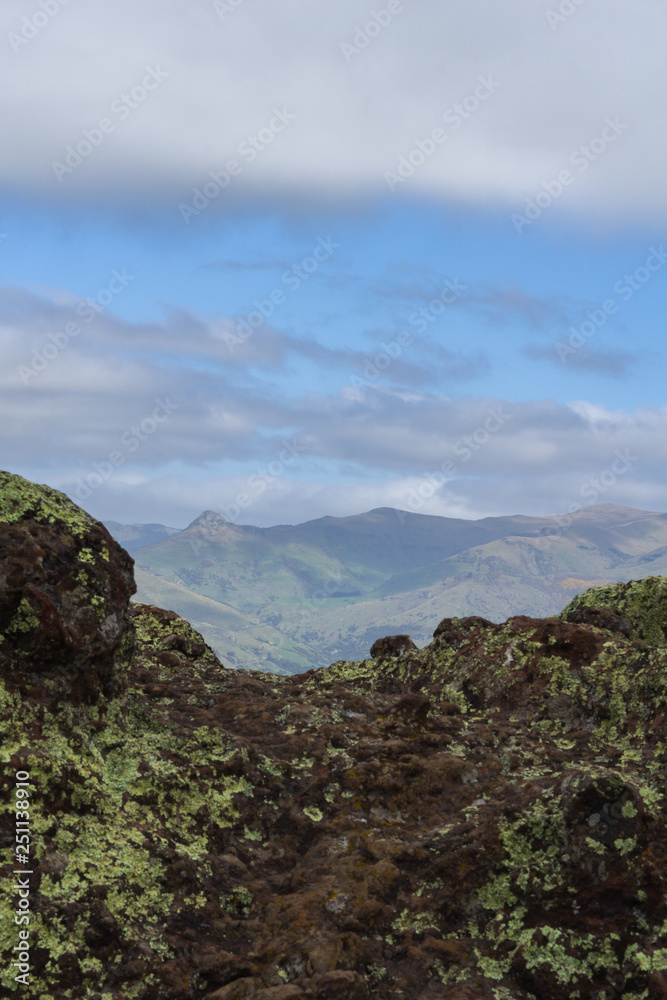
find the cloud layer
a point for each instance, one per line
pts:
(326, 106)
(432, 135)
(124, 415)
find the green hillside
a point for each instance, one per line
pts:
(247, 642)
(292, 597)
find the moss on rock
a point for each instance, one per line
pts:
(22, 500)
(483, 817)
(637, 609)
(64, 590)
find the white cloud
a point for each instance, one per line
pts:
(86, 391)
(223, 78)
(156, 421)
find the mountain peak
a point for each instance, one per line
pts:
(209, 519)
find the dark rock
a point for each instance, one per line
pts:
(637, 610)
(64, 590)
(392, 645)
(657, 987)
(478, 819)
(454, 632)
(415, 705)
(341, 984)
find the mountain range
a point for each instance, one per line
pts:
(480, 819)
(291, 597)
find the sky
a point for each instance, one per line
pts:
(284, 260)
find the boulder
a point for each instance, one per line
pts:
(481, 818)
(392, 645)
(65, 585)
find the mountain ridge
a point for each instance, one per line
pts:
(316, 589)
(423, 823)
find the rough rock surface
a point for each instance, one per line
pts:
(64, 588)
(483, 818)
(392, 645)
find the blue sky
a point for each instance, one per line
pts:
(319, 336)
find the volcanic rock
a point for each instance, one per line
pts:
(482, 818)
(64, 589)
(392, 645)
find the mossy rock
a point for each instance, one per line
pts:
(484, 817)
(637, 610)
(65, 585)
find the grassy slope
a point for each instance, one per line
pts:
(309, 594)
(239, 640)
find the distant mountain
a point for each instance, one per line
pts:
(481, 818)
(294, 596)
(135, 536)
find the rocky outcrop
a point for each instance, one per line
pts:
(64, 590)
(392, 645)
(482, 818)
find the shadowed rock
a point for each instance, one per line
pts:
(64, 591)
(482, 818)
(392, 645)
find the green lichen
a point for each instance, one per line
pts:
(330, 792)
(121, 783)
(98, 604)
(22, 500)
(417, 922)
(376, 973)
(25, 619)
(641, 602)
(625, 846)
(153, 631)
(239, 902)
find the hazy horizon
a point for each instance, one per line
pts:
(283, 262)
(563, 515)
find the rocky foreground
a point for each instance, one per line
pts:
(483, 818)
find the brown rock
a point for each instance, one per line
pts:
(657, 986)
(194, 837)
(341, 984)
(454, 632)
(290, 991)
(65, 585)
(240, 989)
(392, 645)
(464, 992)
